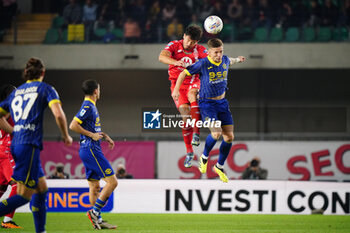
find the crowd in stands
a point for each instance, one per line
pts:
(154, 21)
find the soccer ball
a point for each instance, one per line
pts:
(213, 24)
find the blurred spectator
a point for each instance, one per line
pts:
(235, 12)
(254, 171)
(205, 10)
(343, 13)
(106, 17)
(132, 31)
(89, 18)
(249, 13)
(175, 29)
(150, 32)
(347, 12)
(299, 14)
(315, 13)
(121, 10)
(264, 17)
(154, 12)
(168, 13)
(59, 173)
(285, 15)
(329, 14)
(139, 12)
(183, 15)
(194, 21)
(7, 12)
(219, 10)
(121, 172)
(72, 13)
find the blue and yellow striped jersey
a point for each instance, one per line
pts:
(89, 119)
(213, 76)
(26, 105)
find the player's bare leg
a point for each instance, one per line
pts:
(187, 132)
(111, 184)
(100, 200)
(195, 114)
(94, 191)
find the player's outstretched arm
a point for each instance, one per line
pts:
(76, 127)
(179, 81)
(4, 125)
(61, 122)
(238, 59)
(109, 140)
(165, 57)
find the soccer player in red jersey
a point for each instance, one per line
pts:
(6, 161)
(178, 55)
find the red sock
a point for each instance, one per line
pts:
(196, 115)
(13, 192)
(187, 134)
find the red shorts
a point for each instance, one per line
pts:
(6, 170)
(184, 89)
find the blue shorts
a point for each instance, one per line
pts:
(28, 168)
(216, 109)
(96, 165)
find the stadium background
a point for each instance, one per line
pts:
(285, 92)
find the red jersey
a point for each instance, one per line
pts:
(189, 57)
(5, 142)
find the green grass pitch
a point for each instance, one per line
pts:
(166, 223)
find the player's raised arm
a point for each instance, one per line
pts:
(165, 57)
(236, 60)
(61, 122)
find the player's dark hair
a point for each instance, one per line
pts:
(34, 69)
(194, 31)
(215, 43)
(89, 86)
(5, 91)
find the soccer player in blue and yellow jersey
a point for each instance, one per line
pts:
(27, 105)
(212, 102)
(87, 123)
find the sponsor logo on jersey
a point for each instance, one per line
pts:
(187, 61)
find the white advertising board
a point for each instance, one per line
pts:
(210, 196)
(314, 161)
(237, 196)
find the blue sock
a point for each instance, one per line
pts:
(209, 144)
(12, 203)
(98, 205)
(38, 208)
(224, 150)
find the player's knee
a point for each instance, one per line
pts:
(192, 96)
(96, 189)
(112, 182)
(216, 135)
(228, 137)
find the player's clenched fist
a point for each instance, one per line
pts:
(175, 94)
